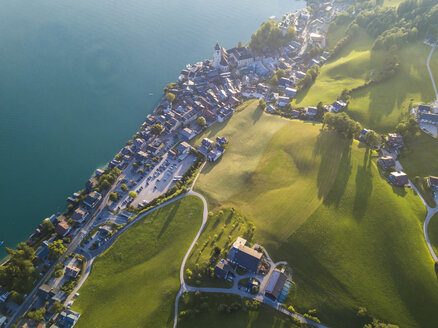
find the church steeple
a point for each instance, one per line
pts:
(217, 47)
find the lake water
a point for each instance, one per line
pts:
(75, 84)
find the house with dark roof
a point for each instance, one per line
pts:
(398, 178)
(338, 106)
(93, 199)
(244, 256)
(429, 118)
(432, 183)
(275, 285)
(62, 228)
(424, 109)
(395, 140)
(72, 271)
(79, 215)
(290, 92)
(386, 162)
(187, 134)
(68, 318)
(222, 269)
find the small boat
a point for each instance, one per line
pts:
(1, 243)
(151, 94)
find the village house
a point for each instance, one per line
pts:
(187, 134)
(275, 285)
(386, 162)
(62, 228)
(283, 101)
(432, 183)
(72, 271)
(395, 140)
(290, 92)
(222, 269)
(68, 318)
(338, 106)
(399, 178)
(244, 256)
(43, 251)
(79, 215)
(93, 199)
(311, 111)
(182, 150)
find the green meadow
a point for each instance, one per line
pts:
(135, 282)
(318, 201)
(433, 232)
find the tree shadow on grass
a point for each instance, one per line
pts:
(364, 186)
(335, 167)
(169, 219)
(258, 112)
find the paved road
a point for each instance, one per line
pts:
(30, 299)
(431, 211)
(430, 72)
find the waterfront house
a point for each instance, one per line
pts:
(43, 251)
(91, 184)
(222, 269)
(62, 228)
(79, 215)
(399, 178)
(244, 256)
(93, 199)
(432, 182)
(386, 162)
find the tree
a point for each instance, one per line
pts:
(114, 196)
(372, 139)
(201, 121)
(262, 104)
(157, 129)
(124, 187)
(170, 97)
(57, 307)
(37, 315)
(133, 194)
(105, 184)
(47, 225)
(290, 33)
(56, 249)
(239, 44)
(379, 324)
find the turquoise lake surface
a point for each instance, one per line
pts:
(75, 84)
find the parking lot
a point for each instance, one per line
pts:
(156, 181)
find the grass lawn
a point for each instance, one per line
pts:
(350, 69)
(251, 130)
(433, 232)
(135, 282)
(222, 229)
(319, 203)
(383, 105)
(380, 106)
(264, 317)
(419, 156)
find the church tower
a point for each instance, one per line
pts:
(217, 55)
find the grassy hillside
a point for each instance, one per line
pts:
(264, 317)
(135, 282)
(251, 130)
(433, 232)
(419, 157)
(350, 69)
(319, 202)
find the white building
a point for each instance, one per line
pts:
(220, 58)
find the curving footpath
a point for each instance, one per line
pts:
(430, 72)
